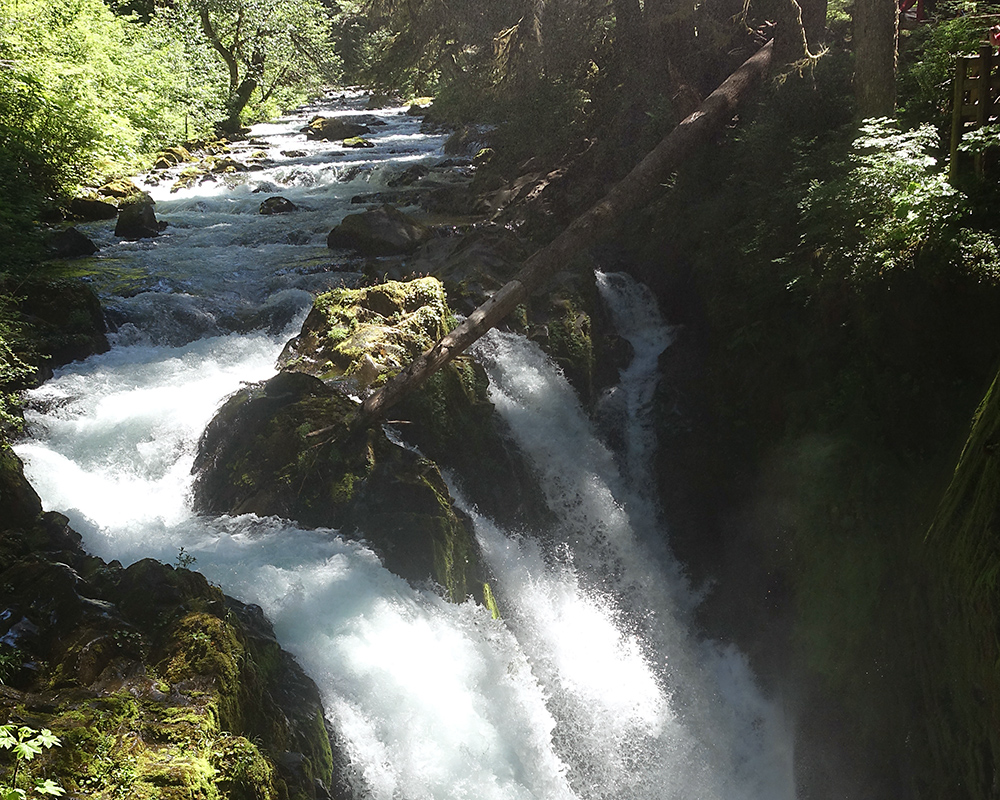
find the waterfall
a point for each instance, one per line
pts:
(592, 685)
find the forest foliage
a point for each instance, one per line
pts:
(88, 93)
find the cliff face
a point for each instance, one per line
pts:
(958, 649)
(157, 684)
(807, 438)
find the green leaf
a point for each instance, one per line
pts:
(49, 787)
(47, 739)
(7, 740)
(26, 750)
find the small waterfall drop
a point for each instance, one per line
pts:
(591, 686)
(602, 609)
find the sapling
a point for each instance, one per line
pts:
(26, 743)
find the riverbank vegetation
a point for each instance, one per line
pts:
(838, 295)
(89, 90)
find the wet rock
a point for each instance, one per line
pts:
(70, 243)
(351, 478)
(137, 220)
(87, 209)
(225, 165)
(121, 189)
(379, 232)
(363, 336)
(294, 153)
(409, 176)
(171, 157)
(328, 130)
(188, 177)
(156, 657)
(357, 142)
(277, 205)
(65, 321)
(19, 503)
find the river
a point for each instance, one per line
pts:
(593, 685)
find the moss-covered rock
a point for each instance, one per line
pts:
(171, 157)
(157, 684)
(327, 129)
(258, 456)
(63, 321)
(957, 648)
(371, 333)
(90, 208)
(360, 337)
(137, 219)
(20, 505)
(291, 446)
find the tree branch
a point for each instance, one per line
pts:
(631, 193)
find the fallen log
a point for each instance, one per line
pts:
(630, 193)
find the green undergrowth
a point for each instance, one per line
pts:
(14, 370)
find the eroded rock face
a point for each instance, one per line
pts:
(157, 684)
(382, 231)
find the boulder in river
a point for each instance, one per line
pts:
(367, 334)
(87, 209)
(363, 336)
(328, 130)
(171, 157)
(291, 447)
(277, 205)
(137, 220)
(257, 456)
(382, 231)
(70, 243)
(408, 176)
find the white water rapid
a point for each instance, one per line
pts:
(593, 684)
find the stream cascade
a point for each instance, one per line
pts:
(592, 684)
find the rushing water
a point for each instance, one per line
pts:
(592, 686)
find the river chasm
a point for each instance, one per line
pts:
(593, 683)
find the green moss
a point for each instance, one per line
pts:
(203, 644)
(571, 346)
(490, 601)
(241, 772)
(371, 333)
